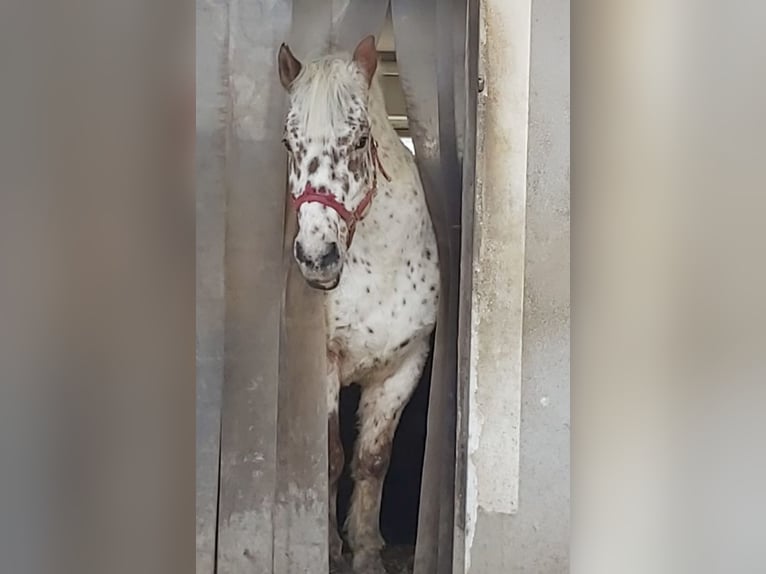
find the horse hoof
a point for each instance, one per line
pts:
(368, 563)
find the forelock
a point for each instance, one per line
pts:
(326, 92)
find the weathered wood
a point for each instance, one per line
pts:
(451, 172)
(416, 62)
(211, 200)
(460, 28)
(470, 57)
(425, 55)
(255, 204)
(301, 503)
(358, 19)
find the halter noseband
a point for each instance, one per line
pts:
(311, 194)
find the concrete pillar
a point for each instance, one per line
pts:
(518, 471)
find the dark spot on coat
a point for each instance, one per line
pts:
(370, 331)
(404, 301)
(428, 254)
(314, 165)
(368, 289)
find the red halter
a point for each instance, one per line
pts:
(311, 194)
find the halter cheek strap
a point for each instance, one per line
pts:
(311, 194)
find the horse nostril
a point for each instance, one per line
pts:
(332, 255)
(300, 255)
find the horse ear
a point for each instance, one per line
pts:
(289, 66)
(366, 57)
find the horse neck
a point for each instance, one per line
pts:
(393, 237)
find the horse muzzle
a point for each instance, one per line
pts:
(322, 269)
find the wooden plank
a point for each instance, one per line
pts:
(450, 192)
(469, 101)
(425, 57)
(210, 165)
(416, 61)
(358, 19)
(301, 506)
(301, 509)
(254, 217)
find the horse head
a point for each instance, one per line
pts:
(332, 155)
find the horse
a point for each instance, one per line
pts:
(366, 238)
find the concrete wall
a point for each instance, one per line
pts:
(524, 530)
(540, 530)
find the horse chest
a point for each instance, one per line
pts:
(374, 315)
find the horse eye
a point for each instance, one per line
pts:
(362, 142)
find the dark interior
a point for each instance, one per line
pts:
(401, 490)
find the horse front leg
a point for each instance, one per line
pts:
(380, 408)
(335, 460)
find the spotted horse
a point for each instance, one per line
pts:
(366, 238)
